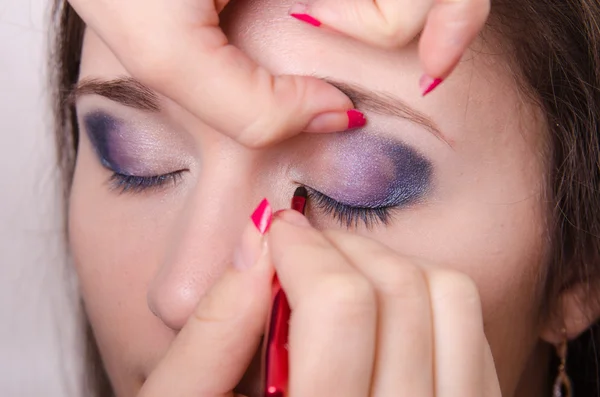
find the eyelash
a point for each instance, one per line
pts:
(137, 184)
(346, 215)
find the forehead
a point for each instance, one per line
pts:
(480, 95)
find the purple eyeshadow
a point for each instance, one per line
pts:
(371, 171)
(356, 169)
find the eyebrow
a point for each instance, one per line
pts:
(125, 90)
(386, 104)
(132, 93)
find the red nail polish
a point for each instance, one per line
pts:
(428, 84)
(262, 216)
(356, 119)
(307, 18)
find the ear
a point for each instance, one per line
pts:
(577, 309)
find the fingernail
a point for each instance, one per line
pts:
(292, 217)
(336, 121)
(251, 244)
(356, 119)
(428, 84)
(262, 216)
(300, 12)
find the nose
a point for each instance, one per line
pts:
(202, 245)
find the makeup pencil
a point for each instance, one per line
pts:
(276, 352)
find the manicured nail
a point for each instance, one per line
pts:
(356, 119)
(428, 84)
(336, 121)
(262, 216)
(300, 12)
(251, 245)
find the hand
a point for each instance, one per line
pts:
(366, 322)
(178, 49)
(448, 27)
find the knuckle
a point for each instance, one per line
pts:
(346, 296)
(456, 288)
(381, 24)
(404, 281)
(277, 116)
(296, 252)
(252, 139)
(392, 36)
(392, 30)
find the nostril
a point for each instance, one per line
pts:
(172, 304)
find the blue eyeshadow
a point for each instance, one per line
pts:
(412, 176)
(100, 128)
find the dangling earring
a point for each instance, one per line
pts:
(562, 384)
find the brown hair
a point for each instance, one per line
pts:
(556, 47)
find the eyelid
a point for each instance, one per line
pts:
(142, 146)
(365, 170)
(138, 184)
(346, 215)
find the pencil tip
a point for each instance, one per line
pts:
(301, 192)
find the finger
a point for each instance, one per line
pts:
(404, 358)
(333, 323)
(215, 347)
(382, 23)
(189, 60)
(458, 335)
(451, 27)
(490, 376)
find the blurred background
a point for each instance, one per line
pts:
(38, 339)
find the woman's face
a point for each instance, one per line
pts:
(460, 170)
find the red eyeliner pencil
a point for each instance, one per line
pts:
(276, 350)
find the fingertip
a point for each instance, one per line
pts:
(295, 104)
(428, 84)
(356, 119)
(301, 12)
(438, 59)
(331, 16)
(289, 228)
(292, 217)
(337, 121)
(450, 29)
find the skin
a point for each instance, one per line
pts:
(274, 107)
(147, 261)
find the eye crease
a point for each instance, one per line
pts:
(367, 171)
(131, 154)
(99, 127)
(356, 178)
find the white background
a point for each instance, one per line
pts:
(36, 322)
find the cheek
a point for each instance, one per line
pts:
(115, 240)
(502, 248)
(498, 243)
(116, 248)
